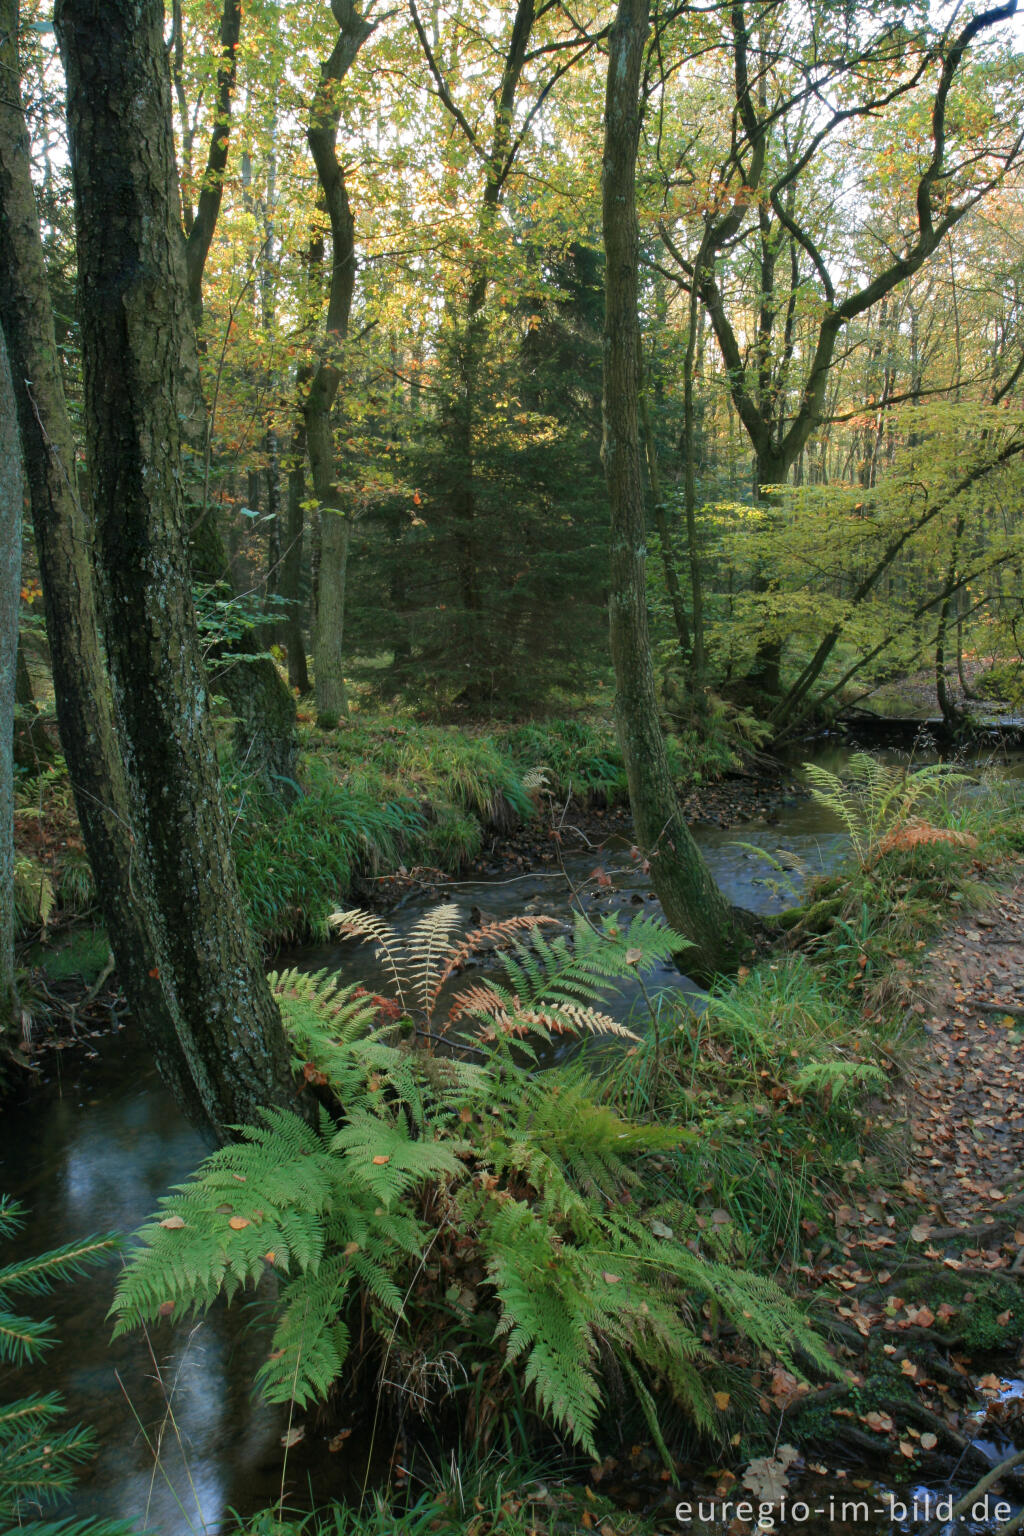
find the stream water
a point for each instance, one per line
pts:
(102, 1140)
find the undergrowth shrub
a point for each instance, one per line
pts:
(372, 797)
(582, 758)
(477, 1233)
(924, 842)
(296, 860)
(577, 757)
(769, 1076)
(437, 764)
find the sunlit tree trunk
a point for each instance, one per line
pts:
(136, 326)
(692, 902)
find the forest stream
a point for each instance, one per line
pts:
(99, 1143)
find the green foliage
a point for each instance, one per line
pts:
(922, 842)
(462, 1206)
(76, 952)
(770, 1081)
(582, 757)
(34, 897)
(552, 986)
(294, 861)
(373, 797)
(878, 802)
(575, 757)
(38, 1460)
(470, 1492)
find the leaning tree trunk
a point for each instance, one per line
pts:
(11, 504)
(135, 323)
(691, 900)
(63, 541)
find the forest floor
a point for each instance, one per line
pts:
(925, 1279)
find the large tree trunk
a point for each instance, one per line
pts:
(691, 900)
(135, 331)
(11, 504)
(63, 540)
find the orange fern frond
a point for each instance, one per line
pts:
(913, 834)
(495, 932)
(508, 1016)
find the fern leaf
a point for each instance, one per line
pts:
(374, 929)
(428, 944)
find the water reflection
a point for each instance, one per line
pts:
(94, 1153)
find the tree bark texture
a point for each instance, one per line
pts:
(135, 329)
(11, 503)
(691, 900)
(63, 539)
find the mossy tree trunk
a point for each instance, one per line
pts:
(136, 328)
(691, 900)
(292, 637)
(63, 539)
(11, 505)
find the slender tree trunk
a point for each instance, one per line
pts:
(292, 635)
(33, 749)
(766, 672)
(12, 493)
(322, 136)
(697, 664)
(63, 541)
(951, 712)
(262, 706)
(691, 900)
(675, 594)
(136, 327)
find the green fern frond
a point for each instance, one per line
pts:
(383, 1158)
(495, 933)
(837, 1076)
(873, 799)
(309, 1347)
